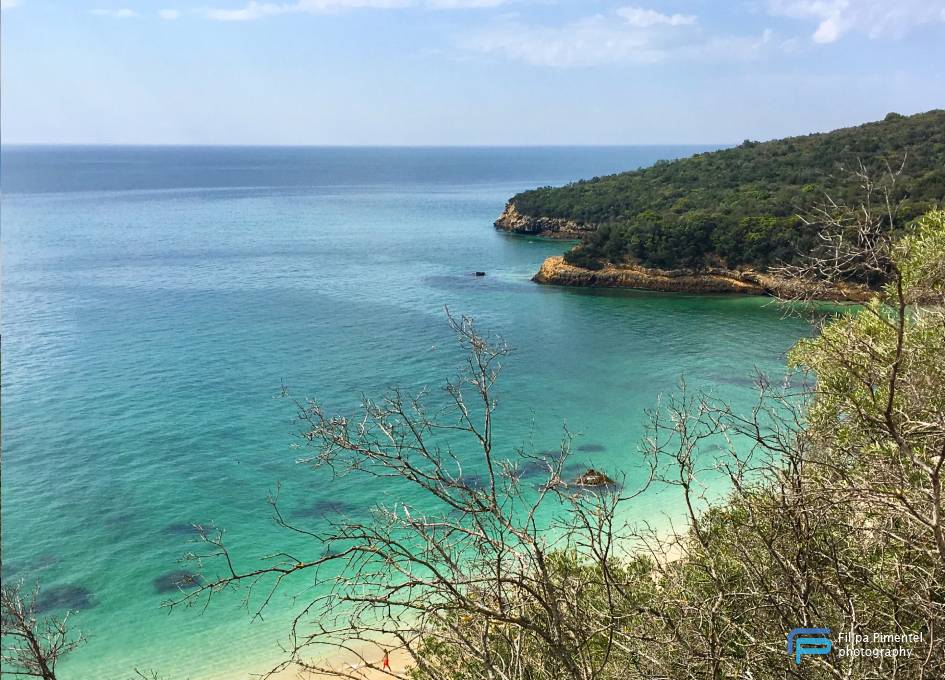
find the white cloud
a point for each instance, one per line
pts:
(463, 4)
(169, 14)
(251, 11)
(124, 13)
(258, 10)
(611, 39)
(593, 40)
(637, 16)
(874, 18)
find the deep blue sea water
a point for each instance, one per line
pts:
(156, 300)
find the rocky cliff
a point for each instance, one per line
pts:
(556, 271)
(512, 221)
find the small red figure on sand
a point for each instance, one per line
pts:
(385, 665)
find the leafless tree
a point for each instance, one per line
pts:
(855, 243)
(822, 505)
(479, 572)
(31, 646)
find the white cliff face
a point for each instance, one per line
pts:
(515, 222)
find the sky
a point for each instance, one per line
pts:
(461, 72)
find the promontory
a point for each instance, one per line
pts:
(723, 221)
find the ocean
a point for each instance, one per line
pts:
(158, 301)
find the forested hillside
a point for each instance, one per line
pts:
(739, 207)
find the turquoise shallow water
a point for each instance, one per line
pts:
(155, 300)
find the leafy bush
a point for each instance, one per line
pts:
(835, 519)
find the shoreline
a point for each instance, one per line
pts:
(557, 228)
(364, 661)
(556, 272)
(354, 667)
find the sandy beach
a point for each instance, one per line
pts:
(370, 667)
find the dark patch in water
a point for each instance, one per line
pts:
(321, 508)
(180, 579)
(12, 568)
(469, 482)
(713, 447)
(591, 448)
(118, 520)
(66, 597)
(187, 529)
(575, 468)
(534, 468)
(737, 379)
(43, 561)
(543, 468)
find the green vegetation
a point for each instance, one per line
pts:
(738, 207)
(835, 519)
(833, 515)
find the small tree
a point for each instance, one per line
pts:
(477, 583)
(31, 647)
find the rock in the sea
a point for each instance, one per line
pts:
(594, 478)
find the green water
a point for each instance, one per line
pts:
(156, 300)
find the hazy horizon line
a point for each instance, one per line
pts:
(357, 146)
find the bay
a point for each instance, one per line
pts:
(157, 300)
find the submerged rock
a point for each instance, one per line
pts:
(66, 597)
(180, 579)
(322, 508)
(468, 482)
(9, 568)
(533, 468)
(187, 529)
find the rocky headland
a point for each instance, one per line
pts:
(711, 280)
(514, 222)
(717, 220)
(555, 271)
